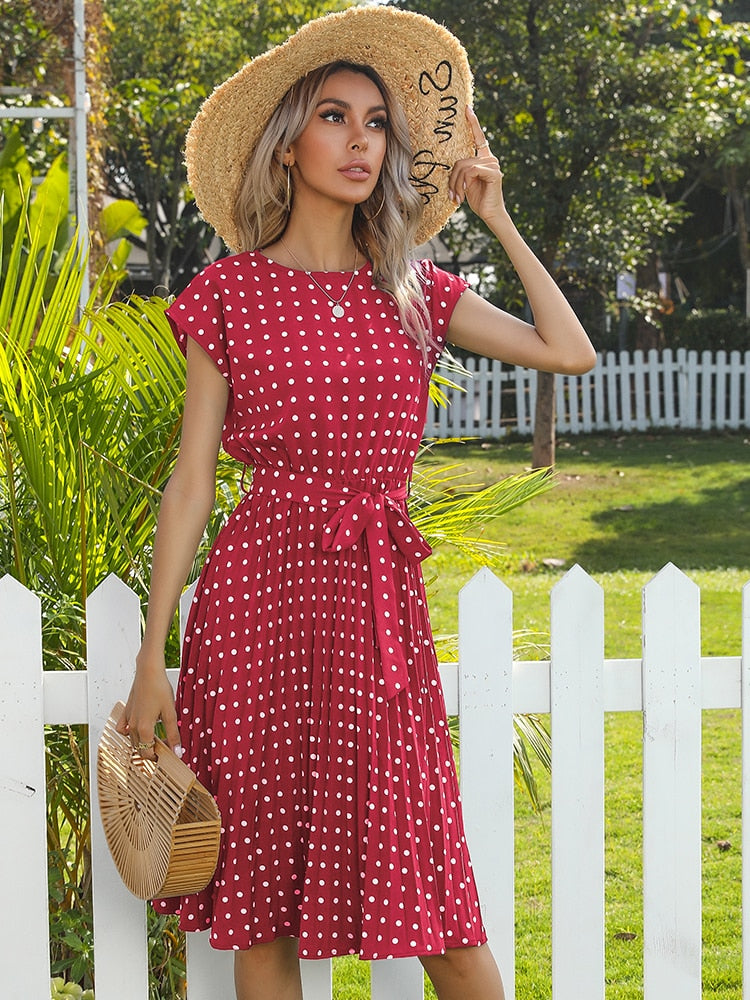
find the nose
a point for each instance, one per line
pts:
(359, 140)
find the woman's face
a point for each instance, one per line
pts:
(339, 154)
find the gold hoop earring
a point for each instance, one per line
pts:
(376, 214)
(288, 203)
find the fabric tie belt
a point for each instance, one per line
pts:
(380, 516)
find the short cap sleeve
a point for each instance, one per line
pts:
(198, 313)
(442, 290)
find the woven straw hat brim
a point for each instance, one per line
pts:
(422, 63)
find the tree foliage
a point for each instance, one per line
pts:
(594, 111)
(42, 204)
(710, 250)
(733, 162)
(33, 40)
(166, 57)
(37, 69)
(32, 43)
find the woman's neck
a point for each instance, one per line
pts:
(325, 244)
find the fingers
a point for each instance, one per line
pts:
(151, 700)
(466, 173)
(478, 179)
(140, 727)
(171, 732)
(146, 749)
(122, 722)
(142, 737)
(481, 144)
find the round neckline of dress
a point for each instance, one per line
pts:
(300, 270)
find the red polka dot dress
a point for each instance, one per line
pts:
(309, 698)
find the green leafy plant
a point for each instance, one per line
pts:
(41, 204)
(72, 946)
(448, 510)
(166, 953)
(83, 456)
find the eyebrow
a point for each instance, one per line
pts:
(344, 105)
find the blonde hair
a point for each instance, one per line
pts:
(383, 227)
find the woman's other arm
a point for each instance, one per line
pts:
(186, 505)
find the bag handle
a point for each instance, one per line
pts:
(166, 759)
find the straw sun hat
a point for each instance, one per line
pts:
(422, 63)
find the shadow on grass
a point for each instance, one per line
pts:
(708, 530)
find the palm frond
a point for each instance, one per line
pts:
(449, 510)
(530, 734)
(439, 382)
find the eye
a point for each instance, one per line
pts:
(332, 115)
(380, 122)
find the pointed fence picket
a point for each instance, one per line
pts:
(670, 685)
(23, 839)
(672, 787)
(112, 630)
(577, 720)
(485, 713)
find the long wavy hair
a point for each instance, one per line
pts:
(383, 227)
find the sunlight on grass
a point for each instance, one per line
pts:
(622, 509)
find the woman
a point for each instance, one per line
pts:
(309, 698)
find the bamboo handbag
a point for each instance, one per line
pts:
(162, 826)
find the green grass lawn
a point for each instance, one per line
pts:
(623, 507)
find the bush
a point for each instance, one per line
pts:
(708, 330)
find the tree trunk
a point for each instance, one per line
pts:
(543, 448)
(97, 71)
(543, 451)
(737, 196)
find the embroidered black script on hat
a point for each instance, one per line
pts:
(437, 85)
(423, 167)
(440, 80)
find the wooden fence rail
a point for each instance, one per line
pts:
(671, 684)
(661, 389)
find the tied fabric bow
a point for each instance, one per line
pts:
(378, 517)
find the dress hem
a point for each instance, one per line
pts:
(362, 956)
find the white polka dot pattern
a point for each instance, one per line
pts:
(309, 698)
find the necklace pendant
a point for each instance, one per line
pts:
(337, 310)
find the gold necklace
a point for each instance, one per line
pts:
(336, 308)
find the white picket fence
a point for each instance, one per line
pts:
(661, 389)
(670, 685)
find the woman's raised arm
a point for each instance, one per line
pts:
(556, 341)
